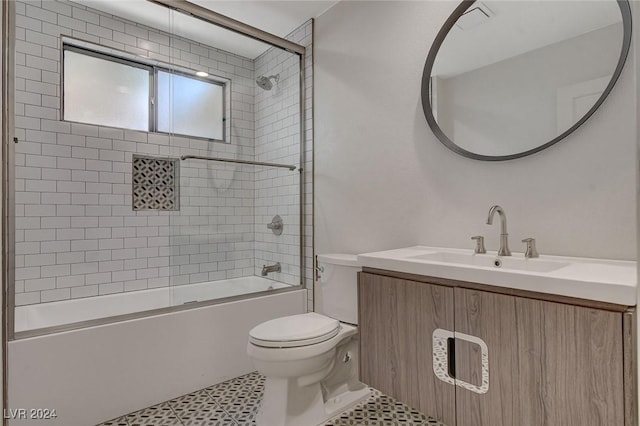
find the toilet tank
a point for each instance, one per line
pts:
(337, 291)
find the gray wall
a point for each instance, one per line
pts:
(383, 180)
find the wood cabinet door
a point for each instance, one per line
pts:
(550, 364)
(397, 319)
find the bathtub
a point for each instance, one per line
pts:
(53, 314)
(93, 374)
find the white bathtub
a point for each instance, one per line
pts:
(42, 315)
(92, 374)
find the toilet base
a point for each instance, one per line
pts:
(314, 398)
(287, 404)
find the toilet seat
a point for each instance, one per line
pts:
(294, 331)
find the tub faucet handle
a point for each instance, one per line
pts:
(276, 225)
(531, 251)
(480, 249)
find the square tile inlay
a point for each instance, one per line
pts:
(236, 403)
(155, 183)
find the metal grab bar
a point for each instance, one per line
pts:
(229, 160)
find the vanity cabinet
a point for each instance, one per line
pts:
(549, 363)
(396, 321)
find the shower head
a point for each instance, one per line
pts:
(265, 82)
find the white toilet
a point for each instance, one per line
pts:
(311, 360)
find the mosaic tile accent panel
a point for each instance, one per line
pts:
(155, 183)
(236, 403)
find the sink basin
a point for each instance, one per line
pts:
(491, 261)
(612, 281)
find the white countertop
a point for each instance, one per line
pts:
(611, 281)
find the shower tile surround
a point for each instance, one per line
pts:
(276, 140)
(76, 233)
(236, 402)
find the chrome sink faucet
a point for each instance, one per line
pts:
(504, 237)
(271, 268)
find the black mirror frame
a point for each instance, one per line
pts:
(625, 10)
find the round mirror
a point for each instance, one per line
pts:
(505, 79)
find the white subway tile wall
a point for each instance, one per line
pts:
(277, 130)
(76, 232)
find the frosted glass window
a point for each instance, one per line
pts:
(188, 106)
(117, 92)
(105, 92)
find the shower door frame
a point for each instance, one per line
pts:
(8, 197)
(8, 168)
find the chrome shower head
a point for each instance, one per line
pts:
(265, 82)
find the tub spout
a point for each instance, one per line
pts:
(271, 268)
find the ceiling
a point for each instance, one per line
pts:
(276, 17)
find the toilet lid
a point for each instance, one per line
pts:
(294, 331)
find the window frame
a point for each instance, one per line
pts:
(153, 70)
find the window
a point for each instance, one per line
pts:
(105, 92)
(186, 105)
(109, 91)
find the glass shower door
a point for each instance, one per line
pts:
(225, 241)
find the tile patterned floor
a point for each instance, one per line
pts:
(235, 403)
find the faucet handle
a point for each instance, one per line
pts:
(531, 251)
(479, 239)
